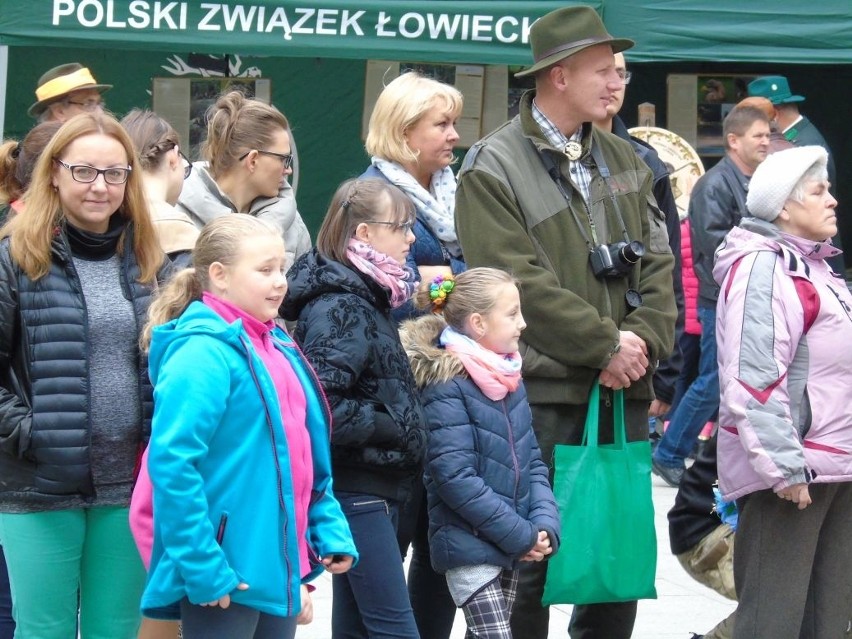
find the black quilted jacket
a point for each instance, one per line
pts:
(348, 335)
(44, 416)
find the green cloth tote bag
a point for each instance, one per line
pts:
(609, 546)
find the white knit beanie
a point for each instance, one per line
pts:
(777, 176)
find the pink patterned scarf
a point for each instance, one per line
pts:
(399, 280)
(496, 375)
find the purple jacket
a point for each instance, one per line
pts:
(784, 337)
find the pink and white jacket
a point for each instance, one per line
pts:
(784, 338)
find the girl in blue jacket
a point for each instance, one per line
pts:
(490, 502)
(239, 456)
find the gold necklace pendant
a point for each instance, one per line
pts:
(573, 150)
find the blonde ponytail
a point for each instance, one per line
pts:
(171, 300)
(219, 241)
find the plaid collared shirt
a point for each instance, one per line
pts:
(580, 174)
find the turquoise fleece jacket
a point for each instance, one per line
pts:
(219, 464)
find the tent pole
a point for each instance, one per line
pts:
(4, 67)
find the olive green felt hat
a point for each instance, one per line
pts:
(567, 31)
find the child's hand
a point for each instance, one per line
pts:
(225, 600)
(541, 549)
(306, 614)
(337, 564)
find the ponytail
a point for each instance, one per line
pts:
(172, 300)
(219, 241)
(10, 188)
(457, 298)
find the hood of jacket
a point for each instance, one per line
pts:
(197, 319)
(314, 275)
(202, 200)
(754, 234)
(431, 363)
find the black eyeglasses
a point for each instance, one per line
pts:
(405, 227)
(286, 158)
(88, 174)
(624, 75)
(187, 165)
(92, 104)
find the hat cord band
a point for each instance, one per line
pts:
(570, 45)
(65, 84)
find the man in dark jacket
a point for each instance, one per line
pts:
(716, 206)
(666, 375)
(795, 127)
(798, 129)
(550, 198)
(704, 545)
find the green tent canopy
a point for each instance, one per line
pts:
(473, 31)
(459, 31)
(774, 31)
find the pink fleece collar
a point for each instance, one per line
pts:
(230, 313)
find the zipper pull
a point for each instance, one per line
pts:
(220, 532)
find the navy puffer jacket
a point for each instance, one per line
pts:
(44, 394)
(487, 487)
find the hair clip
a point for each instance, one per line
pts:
(345, 204)
(440, 287)
(16, 151)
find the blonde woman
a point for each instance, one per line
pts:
(77, 268)
(411, 140)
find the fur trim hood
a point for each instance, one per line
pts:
(430, 362)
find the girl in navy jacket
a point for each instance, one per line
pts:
(490, 502)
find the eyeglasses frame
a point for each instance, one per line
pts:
(405, 226)
(71, 167)
(286, 158)
(88, 105)
(187, 170)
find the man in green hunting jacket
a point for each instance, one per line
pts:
(550, 198)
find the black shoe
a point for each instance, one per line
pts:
(669, 474)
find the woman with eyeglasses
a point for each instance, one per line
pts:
(411, 138)
(342, 293)
(78, 266)
(164, 169)
(247, 162)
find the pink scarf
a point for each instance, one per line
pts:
(496, 375)
(399, 280)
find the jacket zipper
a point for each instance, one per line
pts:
(74, 281)
(373, 501)
(315, 495)
(271, 426)
(515, 464)
(220, 531)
